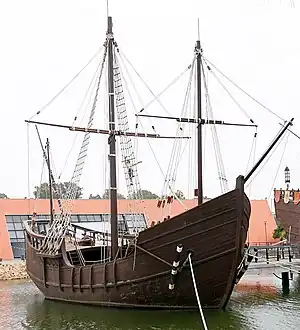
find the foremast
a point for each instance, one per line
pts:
(112, 142)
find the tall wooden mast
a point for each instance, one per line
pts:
(112, 143)
(199, 115)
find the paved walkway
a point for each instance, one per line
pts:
(11, 262)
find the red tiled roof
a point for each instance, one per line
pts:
(262, 223)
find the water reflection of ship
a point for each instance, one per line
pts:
(48, 315)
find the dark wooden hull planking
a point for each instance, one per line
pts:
(215, 232)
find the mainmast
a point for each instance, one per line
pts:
(199, 115)
(112, 143)
(50, 181)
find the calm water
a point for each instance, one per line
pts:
(258, 307)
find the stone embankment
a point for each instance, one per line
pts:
(13, 271)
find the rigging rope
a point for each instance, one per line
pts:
(253, 147)
(175, 158)
(194, 144)
(28, 168)
(106, 177)
(134, 191)
(204, 128)
(279, 165)
(55, 187)
(166, 88)
(66, 86)
(38, 195)
(53, 167)
(149, 89)
(267, 159)
(93, 81)
(243, 91)
(230, 95)
(140, 123)
(54, 237)
(127, 151)
(253, 154)
(128, 156)
(180, 128)
(137, 94)
(219, 160)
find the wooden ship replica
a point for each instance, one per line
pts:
(287, 209)
(148, 268)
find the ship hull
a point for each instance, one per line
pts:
(214, 232)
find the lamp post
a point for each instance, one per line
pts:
(287, 177)
(289, 236)
(266, 236)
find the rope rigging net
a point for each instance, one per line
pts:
(168, 193)
(58, 228)
(128, 153)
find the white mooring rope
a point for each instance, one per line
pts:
(197, 295)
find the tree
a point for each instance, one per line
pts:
(3, 196)
(43, 191)
(146, 194)
(279, 232)
(106, 195)
(95, 197)
(179, 194)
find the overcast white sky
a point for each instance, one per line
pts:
(45, 43)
